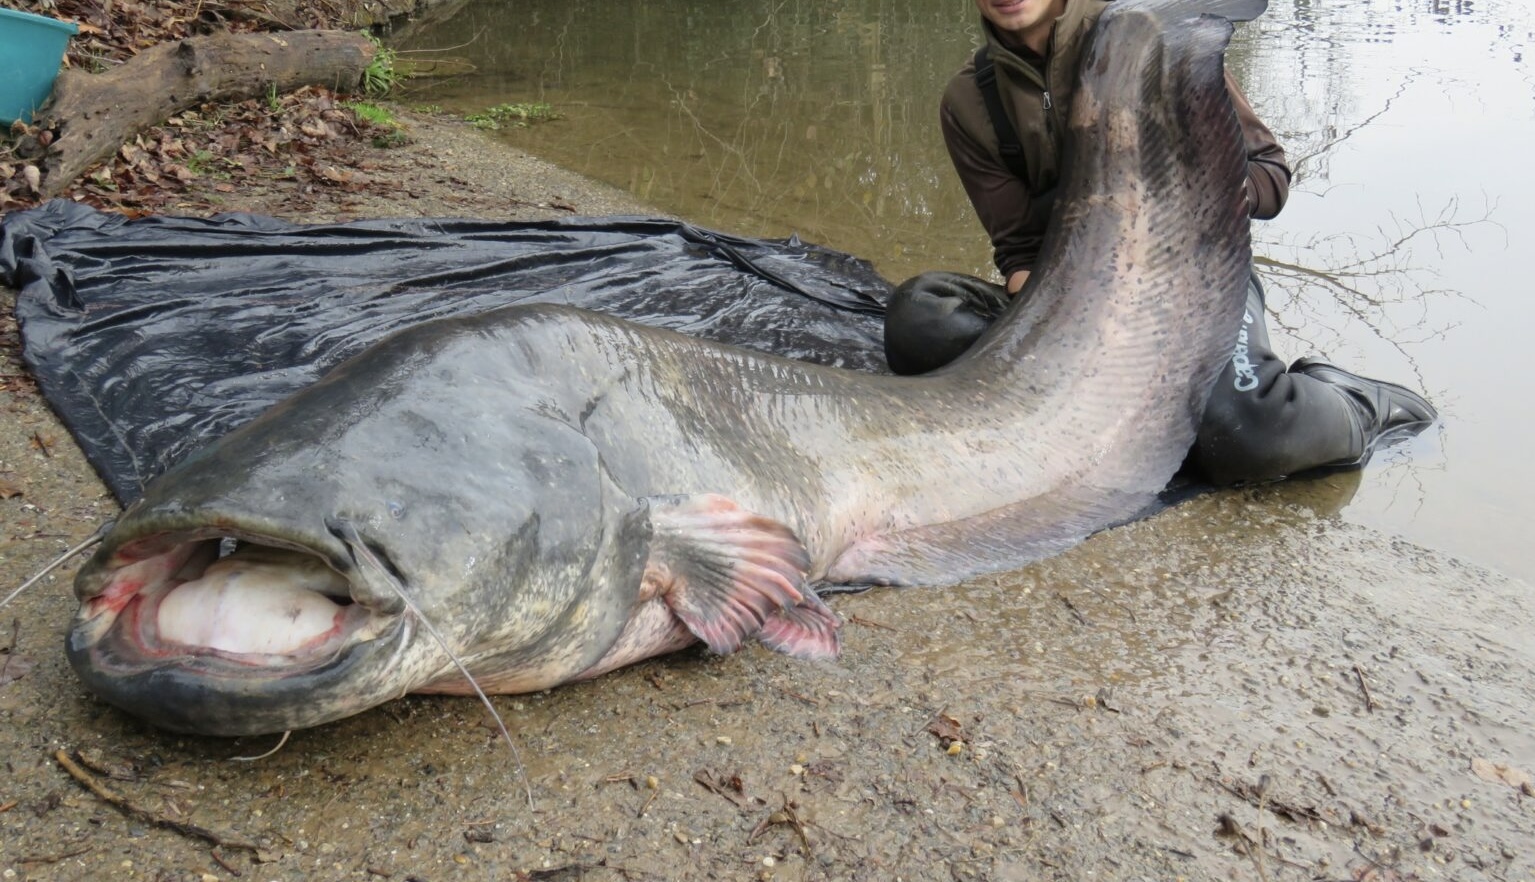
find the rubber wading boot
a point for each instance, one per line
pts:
(934, 317)
(1384, 413)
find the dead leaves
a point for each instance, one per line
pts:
(305, 138)
(14, 378)
(21, 181)
(948, 731)
(111, 33)
(731, 787)
(1502, 773)
(13, 665)
(298, 138)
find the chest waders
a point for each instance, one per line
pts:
(1263, 421)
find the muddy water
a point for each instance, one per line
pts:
(1407, 123)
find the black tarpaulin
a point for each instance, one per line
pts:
(153, 337)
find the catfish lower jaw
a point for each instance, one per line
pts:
(259, 640)
(204, 695)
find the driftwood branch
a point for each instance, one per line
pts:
(96, 113)
(137, 812)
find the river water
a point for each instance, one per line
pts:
(1407, 122)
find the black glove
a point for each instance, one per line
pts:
(933, 318)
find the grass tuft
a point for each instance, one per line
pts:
(519, 115)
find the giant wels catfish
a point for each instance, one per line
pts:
(562, 493)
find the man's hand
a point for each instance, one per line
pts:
(1016, 280)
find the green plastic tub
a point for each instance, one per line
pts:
(31, 50)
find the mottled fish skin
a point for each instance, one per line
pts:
(561, 493)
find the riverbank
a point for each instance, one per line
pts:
(1242, 687)
(419, 165)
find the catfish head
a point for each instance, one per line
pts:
(285, 575)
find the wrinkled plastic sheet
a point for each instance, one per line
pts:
(154, 337)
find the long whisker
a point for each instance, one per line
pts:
(262, 756)
(426, 623)
(58, 562)
(365, 556)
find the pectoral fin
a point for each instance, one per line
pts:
(729, 574)
(808, 630)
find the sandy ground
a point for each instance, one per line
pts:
(1243, 687)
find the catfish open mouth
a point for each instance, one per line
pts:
(222, 607)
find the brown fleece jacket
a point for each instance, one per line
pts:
(1036, 93)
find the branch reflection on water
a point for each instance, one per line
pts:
(777, 117)
(1318, 77)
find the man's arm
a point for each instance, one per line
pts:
(1268, 172)
(1001, 200)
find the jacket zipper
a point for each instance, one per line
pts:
(1049, 102)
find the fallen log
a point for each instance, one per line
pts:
(94, 114)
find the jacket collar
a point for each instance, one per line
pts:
(1006, 59)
